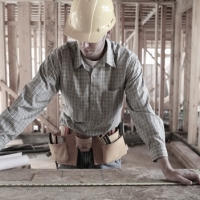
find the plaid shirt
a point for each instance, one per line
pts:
(92, 98)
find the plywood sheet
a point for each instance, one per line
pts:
(93, 192)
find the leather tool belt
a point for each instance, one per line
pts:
(106, 148)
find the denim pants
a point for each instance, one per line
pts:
(85, 160)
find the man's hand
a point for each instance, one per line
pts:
(185, 177)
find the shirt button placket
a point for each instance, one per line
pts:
(92, 97)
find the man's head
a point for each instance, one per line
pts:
(90, 20)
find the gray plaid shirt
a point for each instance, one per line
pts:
(92, 98)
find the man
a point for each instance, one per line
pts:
(92, 75)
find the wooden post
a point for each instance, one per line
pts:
(117, 14)
(156, 59)
(24, 33)
(114, 29)
(171, 88)
(40, 32)
(65, 15)
(187, 68)
(136, 36)
(35, 49)
(122, 20)
(50, 45)
(144, 61)
(140, 33)
(3, 94)
(12, 51)
(162, 65)
(175, 105)
(194, 75)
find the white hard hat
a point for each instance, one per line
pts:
(89, 20)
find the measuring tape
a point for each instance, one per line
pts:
(87, 184)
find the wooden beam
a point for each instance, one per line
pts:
(65, 38)
(117, 14)
(156, 59)
(123, 22)
(187, 68)
(24, 31)
(25, 63)
(41, 117)
(40, 31)
(194, 75)
(136, 36)
(3, 95)
(144, 58)
(50, 45)
(140, 34)
(12, 51)
(176, 71)
(183, 5)
(35, 50)
(171, 87)
(162, 64)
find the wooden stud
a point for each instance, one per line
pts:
(194, 75)
(171, 88)
(35, 50)
(40, 31)
(123, 24)
(162, 65)
(175, 106)
(117, 25)
(65, 16)
(187, 68)
(156, 59)
(140, 34)
(24, 33)
(12, 51)
(50, 45)
(136, 36)
(144, 60)
(3, 94)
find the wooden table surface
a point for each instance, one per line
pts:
(132, 175)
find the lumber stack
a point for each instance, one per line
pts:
(184, 154)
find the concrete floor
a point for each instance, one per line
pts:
(138, 156)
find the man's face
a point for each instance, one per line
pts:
(93, 51)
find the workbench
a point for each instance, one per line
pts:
(29, 184)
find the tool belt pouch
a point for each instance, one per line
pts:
(114, 151)
(59, 152)
(65, 153)
(108, 152)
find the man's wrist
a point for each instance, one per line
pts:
(164, 164)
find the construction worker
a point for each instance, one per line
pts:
(92, 74)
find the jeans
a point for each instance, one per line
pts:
(85, 160)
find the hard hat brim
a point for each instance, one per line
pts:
(84, 36)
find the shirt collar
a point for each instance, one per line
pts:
(108, 57)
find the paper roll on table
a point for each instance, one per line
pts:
(13, 160)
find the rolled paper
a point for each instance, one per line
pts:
(12, 162)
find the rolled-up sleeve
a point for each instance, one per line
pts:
(148, 124)
(31, 102)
